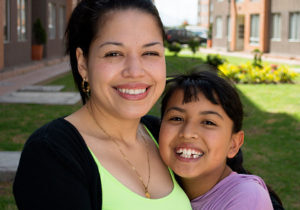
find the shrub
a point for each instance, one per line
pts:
(215, 60)
(247, 73)
(257, 61)
(39, 33)
(174, 47)
(194, 45)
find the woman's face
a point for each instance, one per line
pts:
(196, 137)
(126, 65)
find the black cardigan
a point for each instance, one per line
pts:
(57, 171)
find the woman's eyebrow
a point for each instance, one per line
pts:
(152, 44)
(110, 43)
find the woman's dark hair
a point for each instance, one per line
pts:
(86, 21)
(218, 91)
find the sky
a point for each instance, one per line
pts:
(175, 12)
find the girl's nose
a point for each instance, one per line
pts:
(189, 131)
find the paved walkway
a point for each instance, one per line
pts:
(12, 80)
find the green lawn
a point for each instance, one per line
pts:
(272, 127)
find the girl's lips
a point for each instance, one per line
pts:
(187, 153)
(133, 91)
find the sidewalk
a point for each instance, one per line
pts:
(17, 78)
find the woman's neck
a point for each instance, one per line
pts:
(197, 186)
(113, 126)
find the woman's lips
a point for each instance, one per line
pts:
(137, 91)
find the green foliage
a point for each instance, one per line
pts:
(215, 60)
(39, 33)
(174, 47)
(210, 31)
(257, 61)
(247, 73)
(194, 45)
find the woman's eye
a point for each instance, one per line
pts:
(112, 54)
(151, 53)
(209, 123)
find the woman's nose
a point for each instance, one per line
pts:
(133, 67)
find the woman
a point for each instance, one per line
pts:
(102, 156)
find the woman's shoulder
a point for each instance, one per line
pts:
(57, 132)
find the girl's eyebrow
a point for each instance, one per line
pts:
(211, 112)
(208, 112)
(152, 44)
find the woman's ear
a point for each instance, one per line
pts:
(237, 140)
(81, 63)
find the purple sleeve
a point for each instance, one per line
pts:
(250, 196)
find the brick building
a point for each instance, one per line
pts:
(273, 26)
(16, 20)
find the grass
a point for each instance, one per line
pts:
(272, 127)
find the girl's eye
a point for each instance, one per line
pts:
(151, 53)
(175, 119)
(112, 54)
(209, 123)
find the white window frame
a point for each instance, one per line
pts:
(21, 20)
(6, 21)
(228, 28)
(254, 29)
(52, 20)
(219, 27)
(294, 27)
(61, 21)
(276, 27)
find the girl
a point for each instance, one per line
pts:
(200, 131)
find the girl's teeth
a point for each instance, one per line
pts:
(188, 153)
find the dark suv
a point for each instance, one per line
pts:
(181, 36)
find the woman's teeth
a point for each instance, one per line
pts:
(132, 91)
(188, 153)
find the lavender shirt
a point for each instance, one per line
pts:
(235, 192)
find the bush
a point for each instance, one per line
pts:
(215, 60)
(174, 47)
(247, 73)
(194, 45)
(39, 33)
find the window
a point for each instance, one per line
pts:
(294, 26)
(61, 18)
(228, 28)
(276, 27)
(219, 0)
(219, 27)
(21, 21)
(254, 33)
(239, 0)
(51, 21)
(6, 21)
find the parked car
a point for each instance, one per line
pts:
(181, 36)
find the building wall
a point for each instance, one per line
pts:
(220, 9)
(1, 37)
(17, 52)
(284, 46)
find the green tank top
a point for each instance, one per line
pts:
(115, 196)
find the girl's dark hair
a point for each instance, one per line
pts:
(218, 91)
(86, 21)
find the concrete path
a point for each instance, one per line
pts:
(17, 79)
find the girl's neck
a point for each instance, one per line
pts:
(195, 187)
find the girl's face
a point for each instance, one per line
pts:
(126, 66)
(196, 137)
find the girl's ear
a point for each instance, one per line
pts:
(81, 63)
(237, 140)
